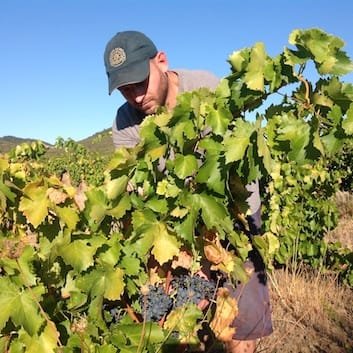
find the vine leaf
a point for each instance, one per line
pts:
(151, 332)
(46, 342)
(214, 213)
(226, 312)
(116, 187)
(114, 284)
(324, 49)
(35, 203)
(218, 119)
(68, 215)
(210, 173)
(185, 165)
(185, 320)
(238, 141)
(20, 306)
(165, 245)
(78, 254)
(254, 76)
(347, 123)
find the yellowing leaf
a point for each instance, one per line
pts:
(226, 312)
(45, 343)
(157, 152)
(34, 203)
(116, 187)
(114, 284)
(68, 215)
(165, 245)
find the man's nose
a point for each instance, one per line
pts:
(138, 93)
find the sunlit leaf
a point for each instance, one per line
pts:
(35, 203)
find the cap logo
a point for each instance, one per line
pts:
(117, 57)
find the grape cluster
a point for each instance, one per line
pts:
(113, 314)
(191, 289)
(155, 304)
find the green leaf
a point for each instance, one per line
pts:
(131, 265)
(116, 187)
(347, 123)
(186, 229)
(158, 205)
(79, 254)
(218, 119)
(96, 207)
(112, 249)
(114, 284)
(26, 313)
(167, 188)
(254, 77)
(213, 213)
(185, 166)
(263, 150)
(20, 306)
(297, 133)
(151, 332)
(185, 320)
(324, 49)
(236, 143)
(68, 215)
(120, 209)
(239, 59)
(210, 173)
(7, 192)
(34, 203)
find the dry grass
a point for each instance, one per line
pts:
(343, 232)
(311, 314)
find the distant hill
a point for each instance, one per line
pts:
(100, 142)
(9, 142)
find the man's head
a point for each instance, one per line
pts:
(135, 67)
(127, 57)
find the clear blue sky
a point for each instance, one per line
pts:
(52, 78)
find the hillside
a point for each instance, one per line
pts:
(9, 142)
(100, 142)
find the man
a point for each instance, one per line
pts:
(140, 72)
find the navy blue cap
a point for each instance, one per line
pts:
(127, 57)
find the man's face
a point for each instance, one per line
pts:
(150, 94)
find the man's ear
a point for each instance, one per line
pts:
(161, 61)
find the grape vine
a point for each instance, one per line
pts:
(84, 265)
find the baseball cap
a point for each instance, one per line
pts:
(126, 58)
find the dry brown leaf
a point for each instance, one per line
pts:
(226, 312)
(184, 260)
(80, 197)
(56, 196)
(213, 249)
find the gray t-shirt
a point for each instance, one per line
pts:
(126, 123)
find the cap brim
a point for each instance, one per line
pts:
(129, 74)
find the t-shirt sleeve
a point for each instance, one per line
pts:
(125, 129)
(254, 202)
(124, 137)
